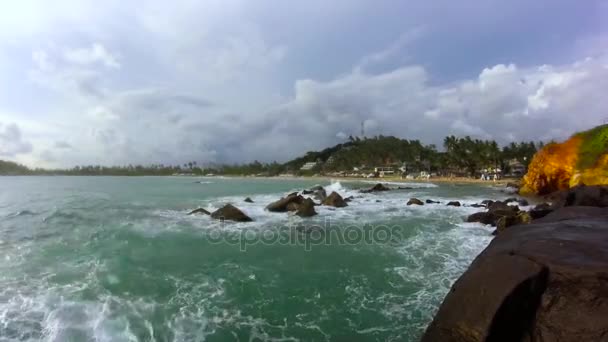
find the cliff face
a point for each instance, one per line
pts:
(581, 160)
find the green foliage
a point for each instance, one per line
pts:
(10, 168)
(594, 144)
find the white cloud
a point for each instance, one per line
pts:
(97, 53)
(11, 141)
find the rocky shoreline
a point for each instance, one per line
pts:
(545, 280)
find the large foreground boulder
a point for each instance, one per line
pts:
(545, 281)
(232, 213)
(335, 200)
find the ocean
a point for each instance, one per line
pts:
(119, 259)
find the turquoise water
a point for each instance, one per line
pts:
(118, 259)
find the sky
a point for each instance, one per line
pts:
(228, 81)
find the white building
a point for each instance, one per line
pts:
(308, 166)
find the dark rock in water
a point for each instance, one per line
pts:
(513, 185)
(307, 192)
(454, 204)
(487, 203)
(536, 214)
(280, 206)
(523, 202)
(232, 213)
(317, 187)
(414, 201)
(482, 217)
(199, 211)
(510, 220)
(306, 209)
(248, 200)
(540, 211)
(475, 205)
(335, 200)
(320, 194)
(348, 199)
(293, 206)
(378, 201)
(405, 188)
(590, 196)
(428, 201)
(500, 206)
(545, 281)
(376, 188)
(509, 200)
(292, 194)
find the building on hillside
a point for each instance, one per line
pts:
(384, 171)
(308, 166)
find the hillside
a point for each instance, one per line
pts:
(10, 168)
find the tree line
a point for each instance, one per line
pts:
(463, 155)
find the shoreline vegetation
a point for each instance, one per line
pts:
(386, 157)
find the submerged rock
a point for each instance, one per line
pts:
(335, 200)
(545, 281)
(248, 200)
(414, 201)
(376, 188)
(199, 211)
(232, 213)
(453, 204)
(429, 201)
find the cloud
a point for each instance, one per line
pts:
(11, 141)
(97, 53)
(232, 81)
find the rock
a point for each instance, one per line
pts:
(475, 205)
(376, 188)
(306, 209)
(487, 203)
(293, 206)
(536, 214)
(482, 217)
(545, 281)
(454, 204)
(590, 196)
(335, 200)
(348, 199)
(248, 200)
(514, 185)
(540, 211)
(405, 188)
(292, 194)
(232, 213)
(320, 194)
(199, 211)
(507, 221)
(414, 201)
(281, 205)
(378, 201)
(509, 200)
(500, 206)
(575, 213)
(523, 202)
(307, 192)
(428, 201)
